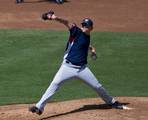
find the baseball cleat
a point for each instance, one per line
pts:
(36, 110)
(19, 1)
(117, 105)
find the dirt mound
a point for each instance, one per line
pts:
(108, 15)
(85, 109)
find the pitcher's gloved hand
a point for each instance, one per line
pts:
(45, 16)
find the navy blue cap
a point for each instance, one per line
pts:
(87, 22)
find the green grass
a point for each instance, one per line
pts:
(29, 60)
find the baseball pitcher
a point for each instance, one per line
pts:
(74, 63)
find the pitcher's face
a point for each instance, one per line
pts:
(87, 30)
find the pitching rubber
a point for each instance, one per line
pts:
(127, 108)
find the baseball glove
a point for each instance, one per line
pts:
(45, 15)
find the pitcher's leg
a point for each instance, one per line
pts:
(88, 77)
(62, 75)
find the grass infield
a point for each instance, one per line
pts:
(29, 60)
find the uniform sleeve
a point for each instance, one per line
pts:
(73, 30)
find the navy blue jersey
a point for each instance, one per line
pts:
(77, 46)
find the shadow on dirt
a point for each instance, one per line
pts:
(40, 1)
(84, 108)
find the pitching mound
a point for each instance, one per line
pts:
(85, 109)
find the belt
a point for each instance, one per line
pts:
(67, 61)
(72, 65)
(75, 66)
